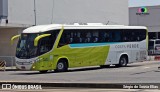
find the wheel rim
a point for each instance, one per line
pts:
(60, 66)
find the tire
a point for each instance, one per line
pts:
(61, 66)
(44, 71)
(123, 62)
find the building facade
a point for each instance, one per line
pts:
(146, 16)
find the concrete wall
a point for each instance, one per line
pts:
(6, 49)
(3, 8)
(21, 12)
(68, 11)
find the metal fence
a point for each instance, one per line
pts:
(10, 60)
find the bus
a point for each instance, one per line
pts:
(59, 47)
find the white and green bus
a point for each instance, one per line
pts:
(59, 47)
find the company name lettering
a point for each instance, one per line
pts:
(127, 46)
(142, 13)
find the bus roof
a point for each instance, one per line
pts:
(44, 28)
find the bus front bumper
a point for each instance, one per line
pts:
(25, 64)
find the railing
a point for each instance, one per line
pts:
(8, 60)
(2, 65)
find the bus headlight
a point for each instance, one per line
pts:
(33, 67)
(37, 60)
(30, 62)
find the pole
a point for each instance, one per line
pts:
(52, 11)
(35, 13)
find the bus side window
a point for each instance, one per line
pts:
(125, 35)
(138, 38)
(125, 38)
(70, 40)
(103, 36)
(117, 36)
(107, 37)
(45, 45)
(87, 40)
(95, 39)
(65, 39)
(87, 37)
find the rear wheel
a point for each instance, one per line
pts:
(123, 62)
(61, 66)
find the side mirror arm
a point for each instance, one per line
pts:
(13, 38)
(39, 37)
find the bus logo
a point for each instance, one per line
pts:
(6, 86)
(142, 11)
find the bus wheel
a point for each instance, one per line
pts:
(123, 62)
(61, 66)
(44, 71)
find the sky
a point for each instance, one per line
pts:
(135, 3)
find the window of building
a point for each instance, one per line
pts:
(152, 35)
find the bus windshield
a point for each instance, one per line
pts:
(25, 47)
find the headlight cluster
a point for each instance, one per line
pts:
(39, 59)
(24, 63)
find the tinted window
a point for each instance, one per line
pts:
(151, 43)
(74, 36)
(134, 35)
(152, 35)
(158, 42)
(46, 43)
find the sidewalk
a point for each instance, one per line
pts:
(10, 69)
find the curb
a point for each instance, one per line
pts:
(10, 69)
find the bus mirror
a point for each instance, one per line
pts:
(13, 38)
(39, 37)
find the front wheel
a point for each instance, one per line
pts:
(61, 66)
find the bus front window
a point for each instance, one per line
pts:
(25, 48)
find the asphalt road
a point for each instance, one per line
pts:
(141, 72)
